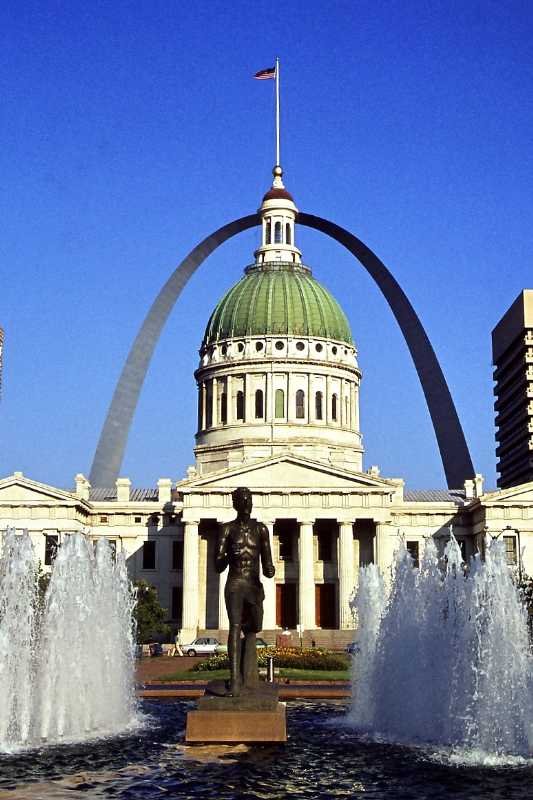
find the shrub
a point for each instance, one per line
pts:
(289, 657)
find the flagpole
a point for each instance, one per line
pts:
(277, 114)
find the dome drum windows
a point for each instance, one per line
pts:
(239, 406)
(223, 408)
(300, 404)
(334, 405)
(279, 404)
(259, 404)
(318, 405)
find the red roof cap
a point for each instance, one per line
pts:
(278, 194)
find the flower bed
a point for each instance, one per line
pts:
(289, 657)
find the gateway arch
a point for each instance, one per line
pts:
(451, 441)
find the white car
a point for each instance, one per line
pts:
(203, 646)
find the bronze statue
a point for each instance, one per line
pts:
(243, 543)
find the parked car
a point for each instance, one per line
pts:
(203, 646)
(223, 648)
(352, 649)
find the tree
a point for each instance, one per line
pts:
(149, 614)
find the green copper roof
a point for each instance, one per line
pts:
(285, 300)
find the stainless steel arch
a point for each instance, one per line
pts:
(450, 437)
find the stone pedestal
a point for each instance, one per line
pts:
(255, 716)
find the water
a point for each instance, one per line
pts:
(322, 759)
(445, 658)
(66, 668)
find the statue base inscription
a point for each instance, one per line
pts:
(255, 716)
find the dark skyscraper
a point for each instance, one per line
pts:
(512, 356)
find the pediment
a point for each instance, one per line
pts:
(289, 472)
(522, 493)
(19, 489)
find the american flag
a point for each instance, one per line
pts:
(265, 74)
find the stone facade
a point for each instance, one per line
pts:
(324, 523)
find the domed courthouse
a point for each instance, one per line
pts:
(278, 411)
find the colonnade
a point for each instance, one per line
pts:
(347, 563)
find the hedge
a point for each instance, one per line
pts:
(292, 657)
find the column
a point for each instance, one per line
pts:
(269, 399)
(223, 621)
(342, 411)
(310, 408)
(214, 401)
(204, 403)
(230, 411)
(346, 574)
(327, 400)
(190, 579)
(269, 585)
(291, 413)
(356, 406)
(306, 600)
(246, 393)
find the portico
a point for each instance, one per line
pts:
(320, 535)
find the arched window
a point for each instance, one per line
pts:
(200, 409)
(240, 405)
(334, 407)
(279, 410)
(300, 408)
(259, 404)
(277, 233)
(318, 405)
(268, 232)
(288, 233)
(209, 408)
(223, 408)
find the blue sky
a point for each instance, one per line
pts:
(131, 130)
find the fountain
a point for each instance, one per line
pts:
(445, 658)
(66, 663)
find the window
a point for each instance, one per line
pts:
(334, 407)
(137, 520)
(209, 408)
(200, 410)
(176, 604)
(240, 405)
(300, 399)
(279, 345)
(223, 408)
(510, 550)
(259, 404)
(104, 518)
(113, 547)
(279, 401)
(277, 233)
(324, 546)
(177, 555)
(318, 405)
(148, 555)
(412, 549)
(300, 346)
(285, 546)
(288, 233)
(50, 549)
(258, 346)
(268, 233)
(318, 347)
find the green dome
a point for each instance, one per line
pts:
(279, 300)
